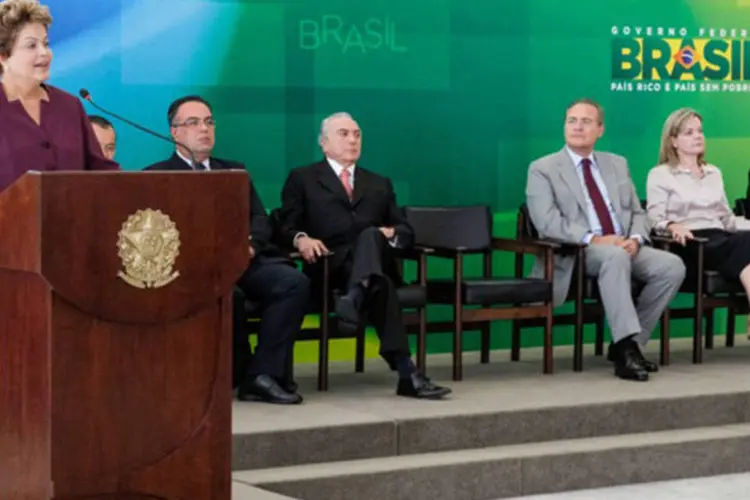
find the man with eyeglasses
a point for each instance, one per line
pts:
(271, 279)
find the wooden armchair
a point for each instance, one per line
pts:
(454, 232)
(710, 292)
(412, 297)
(584, 293)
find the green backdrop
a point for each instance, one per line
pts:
(455, 97)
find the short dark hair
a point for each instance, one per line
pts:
(175, 106)
(101, 121)
(590, 102)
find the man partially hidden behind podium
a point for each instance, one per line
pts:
(105, 134)
(336, 205)
(271, 279)
(42, 127)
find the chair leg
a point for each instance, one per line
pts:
(325, 325)
(515, 341)
(359, 358)
(664, 338)
(457, 342)
(698, 330)
(578, 338)
(458, 318)
(485, 347)
(710, 329)
(731, 317)
(323, 354)
(599, 342)
(548, 359)
(422, 341)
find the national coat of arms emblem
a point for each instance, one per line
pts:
(148, 245)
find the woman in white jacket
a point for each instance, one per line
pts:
(686, 199)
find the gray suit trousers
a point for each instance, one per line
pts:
(660, 271)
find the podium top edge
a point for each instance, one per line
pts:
(60, 173)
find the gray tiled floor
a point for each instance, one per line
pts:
(730, 487)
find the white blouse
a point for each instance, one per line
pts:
(674, 195)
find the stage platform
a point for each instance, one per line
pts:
(506, 431)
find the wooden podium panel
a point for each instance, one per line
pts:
(114, 391)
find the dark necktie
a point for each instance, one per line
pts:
(600, 207)
(199, 166)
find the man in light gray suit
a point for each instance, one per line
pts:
(581, 196)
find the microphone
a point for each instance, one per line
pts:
(86, 96)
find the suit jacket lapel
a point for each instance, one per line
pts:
(327, 178)
(361, 181)
(570, 177)
(177, 163)
(610, 182)
(217, 165)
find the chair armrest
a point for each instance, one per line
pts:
(414, 252)
(298, 256)
(666, 242)
(524, 245)
(563, 246)
(564, 243)
(451, 253)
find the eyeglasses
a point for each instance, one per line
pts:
(195, 123)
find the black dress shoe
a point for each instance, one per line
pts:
(265, 389)
(288, 384)
(627, 362)
(420, 387)
(647, 365)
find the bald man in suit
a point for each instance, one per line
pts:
(585, 196)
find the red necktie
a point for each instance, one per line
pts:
(597, 199)
(346, 180)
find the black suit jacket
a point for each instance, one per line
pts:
(260, 226)
(314, 202)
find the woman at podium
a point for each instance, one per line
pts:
(41, 127)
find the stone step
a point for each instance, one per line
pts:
(332, 434)
(242, 491)
(522, 469)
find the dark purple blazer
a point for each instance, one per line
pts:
(63, 141)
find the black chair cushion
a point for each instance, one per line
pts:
(475, 291)
(713, 283)
(412, 296)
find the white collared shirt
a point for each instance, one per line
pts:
(338, 168)
(206, 163)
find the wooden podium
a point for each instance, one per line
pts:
(115, 334)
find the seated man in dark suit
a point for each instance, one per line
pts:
(105, 135)
(335, 205)
(271, 278)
